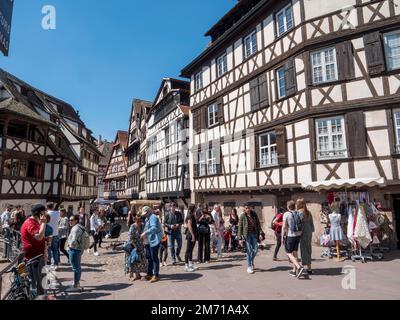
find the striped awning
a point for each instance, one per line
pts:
(344, 183)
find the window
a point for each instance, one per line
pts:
(23, 169)
(211, 161)
(202, 164)
(167, 137)
(250, 44)
(198, 81)
(268, 149)
(397, 127)
(172, 169)
(331, 141)
(392, 49)
(222, 65)
(280, 75)
(284, 20)
(212, 114)
(154, 173)
(163, 170)
(324, 66)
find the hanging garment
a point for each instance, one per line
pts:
(336, 232)
(350, 224)
(361, 233)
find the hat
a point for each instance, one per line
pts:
(145, 210)
(38, 208)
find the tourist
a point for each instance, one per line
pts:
(227, 238)
(54, 248)
(306, 235)
(125, 210)
(137, 267)
(131, 218)
(233, 224)
(164, 250)
(6, 221)
(217, 230)
(291, 234)
(204, 231)
(34, 246)
(173, 223)
(63, 228)
(250, 231)
(96, 227)
(152, 235)
(191, 238)
(48, 236)
(75, 245)
(199, 211)
(277, 227)
(19, 218)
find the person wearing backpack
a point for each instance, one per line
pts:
(77, 243)
(291, 236)
(276, 225)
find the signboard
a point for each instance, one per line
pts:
(6, 9)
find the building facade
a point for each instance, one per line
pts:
(105, 149)
(167, 176)
(293, 96)
(47, 152)
(116, 172)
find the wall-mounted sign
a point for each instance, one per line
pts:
(6, 10)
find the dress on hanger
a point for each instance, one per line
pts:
(361, 232)
(336, 232)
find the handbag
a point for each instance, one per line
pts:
(128, 247)
(203, 229)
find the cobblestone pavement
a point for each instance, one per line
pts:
(103, 278)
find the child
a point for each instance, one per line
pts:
(227, 237)
(164, 251)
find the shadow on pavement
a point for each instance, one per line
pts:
(83, 270)
(93, 265)
(108, 287)
(84, 296)
(180, 277)
(275, 269)
(328, 272)
(219, 266)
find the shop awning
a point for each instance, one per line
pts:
(344, 183)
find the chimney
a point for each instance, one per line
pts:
(100, 142)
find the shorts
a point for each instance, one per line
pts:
(292, 244)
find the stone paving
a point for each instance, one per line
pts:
(103, 278)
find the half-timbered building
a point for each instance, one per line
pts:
(167, 143)
(47, 153)
(116, 172)
(105, 149)
(293, 96)
(135, 151)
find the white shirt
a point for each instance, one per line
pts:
(54, 220)
(5, 219)
(95, 222)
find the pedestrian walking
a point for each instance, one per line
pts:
(291, 235)
(96, 228)
(63, 228)
(233, 224)
(306, 235)
(76, 246)
(191, 238)
(152, 236)
(173, 223)
(205, 221)
(54, 247)
(164, 250)
(250, 231)
(141, 265)
(6, 222)
(217, 230)
(33, 245)
(277, 223)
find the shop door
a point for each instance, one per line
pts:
(396, 207)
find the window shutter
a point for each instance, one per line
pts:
(309, 75)
(204, 117)
(290, 78)
(263, 90)
(257, 148)
(374, 53)
(219, 160)
(197, 120)
(195, 170)
(281, 145)
(254, 95)
(357, 134)
(220, 106)
(345, 60)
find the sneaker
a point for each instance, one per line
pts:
(310, 272)
(250, 270)
(275, 259)
(189, 269)
(161, 265)
(207, 262)
(293, 273)
(154, 279)
(300, 272)
(96, 254)
(193, 267)
(55, 268)
(165, 264)
(173, 263)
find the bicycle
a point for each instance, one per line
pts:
(21, 282)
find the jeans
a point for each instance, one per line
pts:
(75, 260)
(62, 247)
(204, 246)
(35, 271)
(175, 236)
(96, 240)
(278, 244)
(189, 251)
(54, 251)
(153, 261)
(218, 240)
(251, 249)
(6, 243)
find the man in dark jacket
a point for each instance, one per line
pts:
(173, 223)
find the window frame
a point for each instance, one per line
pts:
(285, 25)
(397, 130)
(211, 161)
(253, 46)
(387, 48)
(323, 65)
(202, 163)
(344, 150)
(214, 114)
(269, 147)
(198, 81)
(278, 78)
(222, 60)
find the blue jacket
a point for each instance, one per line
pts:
(153, 230)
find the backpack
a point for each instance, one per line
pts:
(298, 222)
(84, 241)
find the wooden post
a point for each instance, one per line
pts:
(338, 250)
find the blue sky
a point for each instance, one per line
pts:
(105, 53)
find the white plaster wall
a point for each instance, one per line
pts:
(316, 8)
(375, 118)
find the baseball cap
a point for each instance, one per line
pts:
(145, 210)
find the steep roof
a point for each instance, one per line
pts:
(105, 149)
(122, 138)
